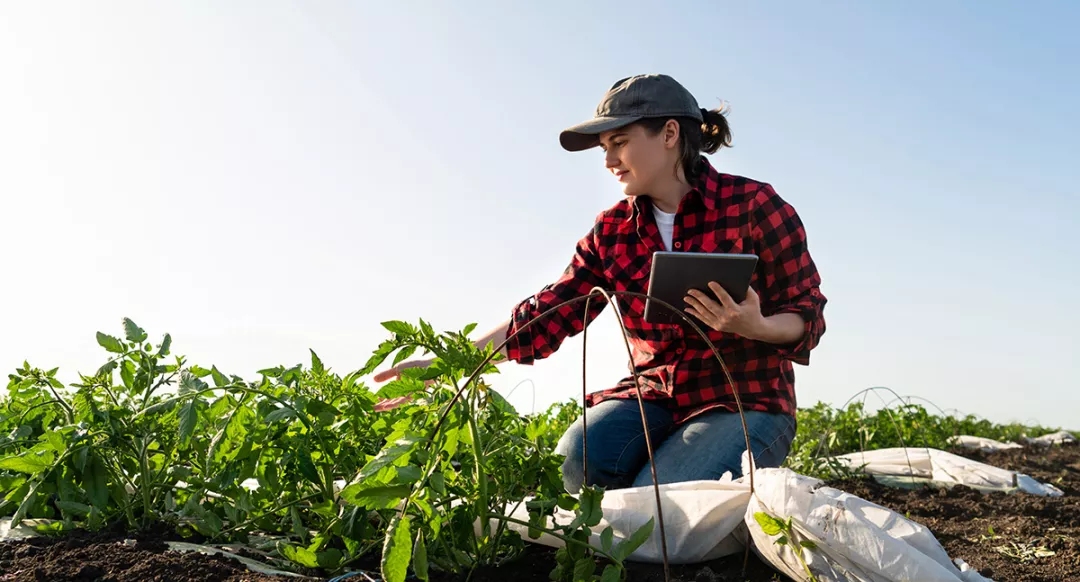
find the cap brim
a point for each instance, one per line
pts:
(587, 135)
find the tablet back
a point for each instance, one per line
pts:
(675, 273)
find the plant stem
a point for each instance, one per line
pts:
(244, 524)
(145, 484)
(558, 535)
(481, 478)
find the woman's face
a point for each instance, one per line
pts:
(640, 161)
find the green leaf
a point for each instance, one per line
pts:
(132, 332)
(189, 417)
(316, 363)
(396, 550)
(300, 555)
(611, 574)
(80, 509)
(606, 537)
(808, 544)
(782, 540)
(403, 354)
(438, 482)
(409, 474)
(584, 568)
(388, 456)
(377, 357)
(271, 372)
(307, 466)
(452, 435)
(199, 371)
(219, 378)
(399, 327)
(166, 345)
(271, 478)
(400, 387)
(279, 414)
(31, 463)
(589, 505)
(626, 547)
(769, 524)
(375, 497)
(127, 374)
(468, 329)
(325, 413)
(419, 561)
(355, 525)
(329, 559)
(27, 503)
(190, 382)
(56, 441)
(96, 483)
(110, 343)
(106, 368)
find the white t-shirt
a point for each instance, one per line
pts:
(666, 222)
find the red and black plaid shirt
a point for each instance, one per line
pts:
(721, 214)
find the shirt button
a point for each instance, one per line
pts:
(678, 245)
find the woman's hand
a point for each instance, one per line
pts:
(395, 372)
(744, 318)
(724, 314)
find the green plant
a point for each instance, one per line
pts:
(459, 456)
(782, 528)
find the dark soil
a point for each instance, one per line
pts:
(108, 557)
(538, 561)
(961, 518)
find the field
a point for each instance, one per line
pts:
(298, 470)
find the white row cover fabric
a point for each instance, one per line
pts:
(854, 539)
(901, 466)
(1060, 437)
(703, 520)
(982, 444)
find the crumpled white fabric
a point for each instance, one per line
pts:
(982, 444)
(855, 540)
(703, 519)
(1060, 437)
(934, 466)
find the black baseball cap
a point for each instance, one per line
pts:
(629, 100)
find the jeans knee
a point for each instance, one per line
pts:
(571, 447)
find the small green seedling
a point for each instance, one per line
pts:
(782, 527)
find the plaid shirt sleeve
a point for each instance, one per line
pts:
(543, 338)
(791, 280)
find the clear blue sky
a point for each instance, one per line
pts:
(262, 177)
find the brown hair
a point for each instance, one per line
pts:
(694, 138)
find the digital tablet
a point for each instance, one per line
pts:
(674, 274)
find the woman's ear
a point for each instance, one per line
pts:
(671, 134)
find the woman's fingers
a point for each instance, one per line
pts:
(704, 303)
(395, 372)
(722, 295)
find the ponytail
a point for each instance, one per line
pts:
(715, 132)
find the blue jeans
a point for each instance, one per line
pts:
(704, 447)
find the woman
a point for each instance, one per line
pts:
(653, 134)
